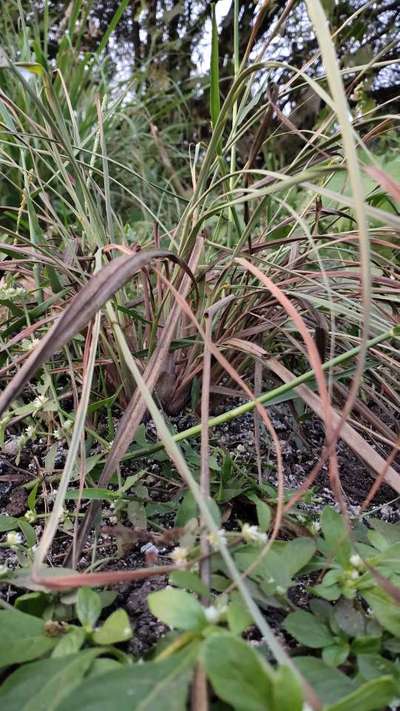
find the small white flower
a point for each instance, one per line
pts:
(212, 614)
(315, 527)
(354, 574)
(252, 534)
(179, 555)
(30, 516)
(58, 433)
(12, 293)
(13, 538)
(216, 539)
(356, 561)
(30, 431)
(28, 345)
(38, 402)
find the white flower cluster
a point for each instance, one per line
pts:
(213, 614)
(252, 534)
(11, 293)
(38, 403)
(28, 345)
(179, 555)
(217, 539)
(14, 539)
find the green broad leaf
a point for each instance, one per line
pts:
(272, 570)
(88, 607)
(297, 553)
(238, 616)
(115, 629)
(263, 512)
(214, 511)
(350, 620)
(107, 597)
(329, 684)
(336, 654)
(336, 535)
(33, 603)
(136, 513)
(188, 580)
(23, 638)
(238, 674)
(263, 515)
(103, 666)
(375, 695)
(328, 592)
(371, 644)
(8, 523)
(187, 510)
(385, 609)
(378, 540)
(42, 686)
(321, 608)
(308, 629)
(69, 643)
(140, 687)
(287, 690)
(177, 608)
(373, 666)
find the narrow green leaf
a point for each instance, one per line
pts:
(215, 102)
(336, 535)
(188, 580)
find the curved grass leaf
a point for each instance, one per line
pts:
(100, 288)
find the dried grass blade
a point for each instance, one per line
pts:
(83, 307)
